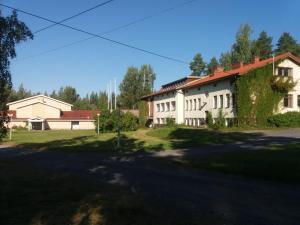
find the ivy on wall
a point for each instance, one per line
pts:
(258, 94)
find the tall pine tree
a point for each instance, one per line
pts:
(263, 47)
(287, 43)
(197, 65)
(212, 65)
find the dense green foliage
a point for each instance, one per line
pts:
(287, 43)
(197, 66)
(257, 99)
(263, 47)
(226, 61)
(242, 48)
(12, 32)
(115, 120)
(212, 65)
(209, 120)
(136, 83)
(219, 121)
(289, 119)
(170, 122)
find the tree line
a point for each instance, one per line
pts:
(245, 49)
(137, 82)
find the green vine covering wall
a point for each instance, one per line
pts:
(258, 94)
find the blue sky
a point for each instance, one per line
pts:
(208, 27)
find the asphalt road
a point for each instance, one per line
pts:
(197, 194)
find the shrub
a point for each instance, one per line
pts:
(170, 122)
(289, 119)
(219, 121)
(112, 121)
(209, 120)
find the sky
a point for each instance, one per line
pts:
(205, 26)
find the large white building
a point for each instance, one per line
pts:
(189, 100)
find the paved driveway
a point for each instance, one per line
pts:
(234, 199)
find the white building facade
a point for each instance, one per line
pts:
(189, 100)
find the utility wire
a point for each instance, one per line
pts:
(76, 15)
(108, 31)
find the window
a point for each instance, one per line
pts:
(227, 100)
(173, 105)
(186, 105)
(168, 106)
(162, 107)
(186, 121)
(157, 120)
(233, 100)
(195, 104)
(199, 103)
(191, 105)
(298, 100)
(215, 102)
(221, 101)
(162, 121)
(288, 101)
(158, 107)
(284, 71)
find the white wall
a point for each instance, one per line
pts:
(163, 99)
(296, 91)
(206, 95)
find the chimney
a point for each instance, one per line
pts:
(237, 65)
(255, 59)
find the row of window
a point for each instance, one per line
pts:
(196, 122)
(220, 102)
(162, 120)
(193, 104)
(288, 101)
(166, 107)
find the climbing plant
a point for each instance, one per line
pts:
(258, 94)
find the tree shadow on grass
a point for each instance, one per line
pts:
(88, 144)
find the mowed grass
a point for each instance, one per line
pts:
(273, 163)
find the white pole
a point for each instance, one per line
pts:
(107, 92)
(111, 96)
(115, 93)
(10, 126)
(273, 64)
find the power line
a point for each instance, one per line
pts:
(111, 30)
(76, 15)
(99, 36)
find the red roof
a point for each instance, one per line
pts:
(239, 71)
(221, 75)
(78, 114)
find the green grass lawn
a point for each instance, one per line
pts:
(273, 163)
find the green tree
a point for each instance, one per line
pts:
(136, 83)
(226, 60)
(197, 65)
(102, 100)
(211, 66)
(12, 32)
(263, 47)
(68, 94)
(242, 48)
(147, 78)
(287, 43)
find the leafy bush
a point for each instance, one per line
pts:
(170, 122)
(112, 121)
(209, 120)
(219, 121)
(289, 119)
